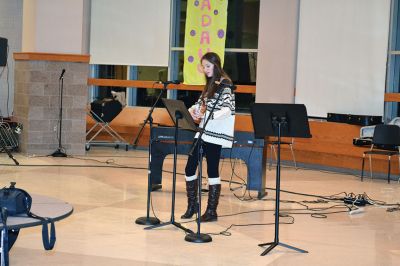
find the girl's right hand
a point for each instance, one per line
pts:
(196, 115)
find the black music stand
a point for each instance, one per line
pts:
(279, 120)
(174, 106)
(177, 111)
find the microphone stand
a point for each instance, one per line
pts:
(199, 237)
(59, 152)
(147, 220)
(135, 142)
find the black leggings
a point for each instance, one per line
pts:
(212, 153)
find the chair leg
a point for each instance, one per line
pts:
(362, 168)
(273, 151)
(370, 165)
(389, 169)
(270, 158)
(294, 158)
(398, 180)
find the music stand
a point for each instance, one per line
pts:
(177, 105)
(279, 120)
(177, 111)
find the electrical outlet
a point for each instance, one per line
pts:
(55, 128)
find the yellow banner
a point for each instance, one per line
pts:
(205, 32)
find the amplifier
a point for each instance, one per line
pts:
(106, 110)
(361, 120)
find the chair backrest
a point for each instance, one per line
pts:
(386, 135)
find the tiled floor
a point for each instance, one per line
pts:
(102, 229)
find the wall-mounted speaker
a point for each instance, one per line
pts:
(3, 51)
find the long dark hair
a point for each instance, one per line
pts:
(211, 87)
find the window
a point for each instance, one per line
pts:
(240, 51)
(393, 71)
(135, 96)
(146, 96)
(110, 72)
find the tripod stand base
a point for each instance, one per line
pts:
(59, 153)
(272, 245)
(147, 220)
(198, 238)
(188, 231)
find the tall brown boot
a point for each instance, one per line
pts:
(214, 192)
(191, 192)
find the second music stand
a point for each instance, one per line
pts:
(279, 120)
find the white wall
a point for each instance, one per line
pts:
(130, 32)
(342, 56)
(86, 26)
(53, 26)
(277, 49)
(10, 28)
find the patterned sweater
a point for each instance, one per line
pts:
(219, 129)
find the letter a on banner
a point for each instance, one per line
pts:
(204, 32)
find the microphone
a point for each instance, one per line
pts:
(224, 85)
(169, 82)
(62, 74)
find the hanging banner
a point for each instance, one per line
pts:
(205, 32)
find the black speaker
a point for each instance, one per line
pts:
(106, 109)
(361, 120)
(3, 51)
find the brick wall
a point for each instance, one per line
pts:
(37, 103)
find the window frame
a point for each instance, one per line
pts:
(393, 62)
